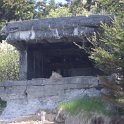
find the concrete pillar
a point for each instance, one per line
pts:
(23, 65)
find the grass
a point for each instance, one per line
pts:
(86, 104)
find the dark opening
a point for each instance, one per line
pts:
(66, 59)
(2, 105)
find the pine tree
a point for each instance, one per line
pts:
(108, 53)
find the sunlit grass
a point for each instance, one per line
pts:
(86, 104)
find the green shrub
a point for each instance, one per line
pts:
(86, 104)
(9, 63)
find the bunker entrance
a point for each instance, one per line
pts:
(66, 59)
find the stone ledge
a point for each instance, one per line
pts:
(37, 88)
(33, 31)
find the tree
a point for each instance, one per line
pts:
(77, 7)
(52, 4)
(108, 53)
(41, 10)
(82, 7)
(59, 12)
(111, 7)
(17, 9)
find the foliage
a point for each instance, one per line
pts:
(77, 7)
(108, 52)
(59, 12)
(82, 7)
(52, 10)
(52, 4)
(9, 63)
(111, 7)
(17, 10)
(41, 10)
(85, 104)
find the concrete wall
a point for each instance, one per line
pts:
(27, 97)
(40, 88)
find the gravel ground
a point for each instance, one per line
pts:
(28, 122)
(33, 122)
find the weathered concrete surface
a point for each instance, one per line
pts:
(27, 97)
(54, 28)
(40, 88)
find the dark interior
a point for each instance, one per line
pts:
(65, 58)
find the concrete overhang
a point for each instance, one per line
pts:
(53, 30)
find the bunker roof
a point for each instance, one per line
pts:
(53, 30)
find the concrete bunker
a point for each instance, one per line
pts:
(48, 45)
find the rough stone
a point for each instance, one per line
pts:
(53, 29)
(45, 87)
(27, 97)
(20, 108)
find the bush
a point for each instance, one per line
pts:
(9, 63)
(86, 104)
(108, 53)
